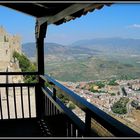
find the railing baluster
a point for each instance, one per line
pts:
(54, 94)
(50, 108)
(87, 123)
(73, 130)
(47, 112)
(54, 97)
(55, 110)
(29, 102)
(15, 104)
(22, 107)
(45, 106)
(68, 129)
(7, 97)
(79, 134)
(1, 106)
(58, 112)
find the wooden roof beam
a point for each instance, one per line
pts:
(68, 12)
(41, 5)
(64, 13)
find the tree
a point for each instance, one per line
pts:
(100, 84)
(113, 82)
(120, 106)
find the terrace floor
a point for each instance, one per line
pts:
(21, 128)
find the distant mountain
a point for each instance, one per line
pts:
(57, 49)
(110, 45)
(87, 47)
(51, 48)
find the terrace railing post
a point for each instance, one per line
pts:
(40, 31)
(87, 124)
(54, 93)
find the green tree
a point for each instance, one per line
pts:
(113, 82)
(120, 106)
(100, 84)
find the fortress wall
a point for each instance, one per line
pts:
(8, 44)
(1, 38)
(5, 54)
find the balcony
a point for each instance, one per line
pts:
(34, 110)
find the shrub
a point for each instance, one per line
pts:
(63, 98)
(26, 66)
(71, 106)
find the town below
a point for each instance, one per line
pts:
(118, 98)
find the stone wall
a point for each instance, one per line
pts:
(5, 53)
(9, 44)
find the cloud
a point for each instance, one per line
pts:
(134, 26)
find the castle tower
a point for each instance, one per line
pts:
(4, 48)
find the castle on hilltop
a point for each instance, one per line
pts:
(8, 45)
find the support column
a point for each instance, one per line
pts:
(40, 32)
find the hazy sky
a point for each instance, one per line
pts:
(118, 20)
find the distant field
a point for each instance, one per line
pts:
(94, 68)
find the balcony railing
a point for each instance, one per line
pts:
(35, 100)
(17, 100)
(96, 121)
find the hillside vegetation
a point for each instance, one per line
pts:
(26, 66)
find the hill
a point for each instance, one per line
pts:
(88, 47)
(51, 48)
(57, 49)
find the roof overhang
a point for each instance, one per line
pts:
(54, 13)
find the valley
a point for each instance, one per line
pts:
(90, 59)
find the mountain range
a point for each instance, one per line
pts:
(84, 60)
(90, 47)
